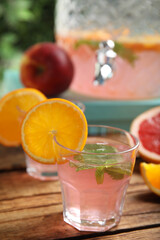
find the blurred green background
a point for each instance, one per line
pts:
(22, 24)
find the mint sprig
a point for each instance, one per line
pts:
(103, 164)
(119, 48)
(125, 53)
(93, 44)
(115, 172)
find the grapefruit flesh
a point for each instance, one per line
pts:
(149, 133)
(146, 127)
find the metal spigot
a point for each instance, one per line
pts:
(104, 66)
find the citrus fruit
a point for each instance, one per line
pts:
(146, 127)
(151, 175)
(13, 107)
(53, 117)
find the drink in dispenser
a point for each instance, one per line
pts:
(114, 46)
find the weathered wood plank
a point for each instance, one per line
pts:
(31, 212)
(30, 202)
(52, 226)
(48, 204)
(135, 203)
(146, 234)
(20, 184)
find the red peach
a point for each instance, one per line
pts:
(46, 67)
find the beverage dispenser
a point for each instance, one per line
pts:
(114, 46)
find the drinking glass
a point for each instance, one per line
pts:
(46, 172)
(94, 181)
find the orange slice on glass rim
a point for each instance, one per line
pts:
(53, 117)
(13, 107)
(151, 175)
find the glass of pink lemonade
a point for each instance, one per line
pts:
(94, 181)
(45, 172)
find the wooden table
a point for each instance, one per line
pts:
(32, 209)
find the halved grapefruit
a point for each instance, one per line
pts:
(146, 127)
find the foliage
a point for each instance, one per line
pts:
(23, 23)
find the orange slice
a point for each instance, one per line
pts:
(54, 117)
(151, 175)
(13, 107)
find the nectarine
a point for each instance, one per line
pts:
(46, 67)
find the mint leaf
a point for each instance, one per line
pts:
(99, 173)
(103, 164)
(119, 48)
(114, 174)
(99, 148)
(118, 171)
(91, 43)
(98, 158)
(125, 53)
(78, 157)
(79, 166)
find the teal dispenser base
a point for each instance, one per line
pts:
(117, 113)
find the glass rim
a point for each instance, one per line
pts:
(103, 154)
(79, 104)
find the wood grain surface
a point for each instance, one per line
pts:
(32, 210)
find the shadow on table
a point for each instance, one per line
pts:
(148, 197)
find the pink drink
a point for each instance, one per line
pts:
(86, 201)
(138, 81)
(93, 201)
